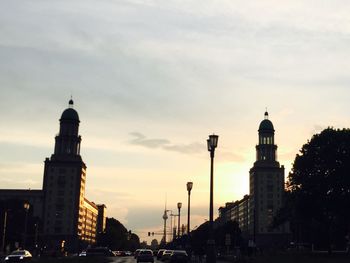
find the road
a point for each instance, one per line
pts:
(129, 259)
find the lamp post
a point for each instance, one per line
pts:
(26, 207)
(179, 205)
(4, 232)
(212, 143)
(173, 229)
(189, 188)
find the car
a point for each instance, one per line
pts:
(160, 253)
(99, 252)
(82, 254)
(166, 255)
(145, 255)
(18, 256)
(137, 251)
(179, 256)
(120, 253)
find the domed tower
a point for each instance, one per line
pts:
(266, 149)
(64, 185)
(266, 183)
(68, 141)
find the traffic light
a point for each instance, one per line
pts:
(149, 233)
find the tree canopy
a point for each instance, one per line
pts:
(117, 237)
(318, 196)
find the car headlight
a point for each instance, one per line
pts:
(21, 257)
(7, 258)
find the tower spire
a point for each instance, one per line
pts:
(71, 102)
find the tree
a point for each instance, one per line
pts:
(199, 238)
(318, 197)
(143, 244)
(15, 224)
(117, 237)
(229, 229)
(154, 244)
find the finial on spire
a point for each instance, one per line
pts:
(71, 102)
(266, 114)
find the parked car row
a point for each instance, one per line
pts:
(104, 252)
(141, 255)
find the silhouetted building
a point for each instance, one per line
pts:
(236, 211)
(255, 212)
(266, 186)
(101, 219)
(65, 213)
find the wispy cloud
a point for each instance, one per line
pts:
(185, 148)
(165, 144)
(141, 140)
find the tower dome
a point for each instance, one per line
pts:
(266, 125)
(266, 149)
(68, 139)
(70, 113)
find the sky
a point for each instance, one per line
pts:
(152, 79)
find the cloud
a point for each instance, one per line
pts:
(185, 148)
(148, 143)
(165, 144)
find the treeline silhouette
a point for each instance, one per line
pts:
(317, 200)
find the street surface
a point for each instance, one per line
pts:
(129, 259)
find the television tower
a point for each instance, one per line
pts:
(165, 217)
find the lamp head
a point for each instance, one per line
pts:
(26, 206)
(212, 142)
(189, 186)
(179, 205)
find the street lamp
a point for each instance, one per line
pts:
(4, 231)
(26, 207)
(189, 188)
(179, 205)
(212, 143)
(173, 229)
